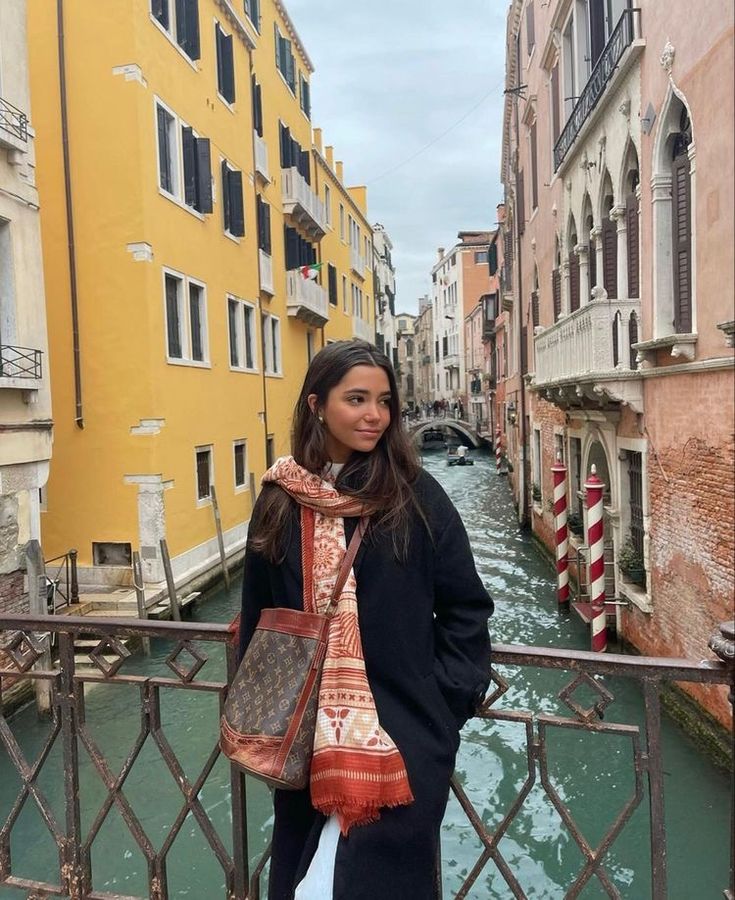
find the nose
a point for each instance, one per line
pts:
(372, 412)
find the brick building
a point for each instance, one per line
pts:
(618, 174)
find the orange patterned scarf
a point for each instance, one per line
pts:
(356, 768)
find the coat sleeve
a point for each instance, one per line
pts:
(257, 595)
(462, 607)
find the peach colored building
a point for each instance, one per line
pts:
(618, 172)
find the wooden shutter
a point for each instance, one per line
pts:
(226, 195)
(225, 65)
(597, 28)
(257, 107)
(682, 235)
(264, 225)
(203, 175)
(534, 168)
(521, 204)
(304, 165)
(277, 34)
(492, 258)
(633, 241)
(530, 28)
(291, 244)
(534, 309)
(573, 281)
(187, 27)
(556, 292)
(555, 102)
(285, 136)
(332, 278)
(610, 257)
(524, 350)
(237, 210)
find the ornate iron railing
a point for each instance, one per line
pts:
(24, 642)
(13, 120)
(19, 362)
(624, 33)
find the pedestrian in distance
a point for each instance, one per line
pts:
(408, 652)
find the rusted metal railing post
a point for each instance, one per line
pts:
(74, 587)
(595, 539)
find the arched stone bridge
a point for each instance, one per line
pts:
(462, 429)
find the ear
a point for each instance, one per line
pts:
(312, 400)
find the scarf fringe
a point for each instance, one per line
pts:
(353, 813)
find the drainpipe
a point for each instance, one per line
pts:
(260, 309)
(79, 415)
(523, 513)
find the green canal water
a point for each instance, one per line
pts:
(592, 774)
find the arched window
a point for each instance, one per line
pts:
(681, 220)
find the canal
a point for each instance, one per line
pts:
(592, 774)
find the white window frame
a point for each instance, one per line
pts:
(209, 448)
(240, 337)
(185, 336)
(273, 361)
(177, 156)
(245, 486)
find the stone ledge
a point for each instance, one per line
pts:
(637, 596)
(681, 345)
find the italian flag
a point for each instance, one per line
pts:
(311, 271)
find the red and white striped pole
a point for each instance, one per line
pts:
(559, 474)
(594, 488)
(498, 452)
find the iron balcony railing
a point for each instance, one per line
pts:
(13, 120)
(197, 666)
(624, 33)
(20, 362)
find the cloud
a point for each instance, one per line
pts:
(390, 78)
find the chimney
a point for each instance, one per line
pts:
(330, 157)
(339, 171)
(440, 251)
(317, 138)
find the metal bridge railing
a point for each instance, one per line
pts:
(196, 663)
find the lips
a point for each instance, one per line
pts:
(367, 433)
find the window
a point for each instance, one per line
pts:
(257, 107)
(272, 344)
(241, 324)
(328, 204)
(252, 11)
(534, 167)
(292, 155)
(186, 325)
(341, 222)
(197, 171)
(184, 164)
(332, 283)
(180, 20)
(204, 472)
(111, 554)
(285, 60)
(269, 451)
(299, 252)
(305, 96)
(264, 225)
(240, 460)
(225, 65)
(481, 256)
(232, 203)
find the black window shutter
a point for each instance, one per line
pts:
(597, 29)
(492, 258)
(304, 166)
(681, 232)
(290, 67)
(521, 204)
(226, 195)
(227, 88)
(296, 154)
(277, 36)
(187, 27)
(610, 257)
(332, 276)
(573, 281)
(534, 310)
(524, 350)
(237, 210)
(257, 108)
(286, 161)
(291, 241)
(306, 97)
(159, 8)
(190, 166)
(164, 158)
(264, 226)
(203, 175)
(631, 215)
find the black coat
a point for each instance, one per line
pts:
(427, 654)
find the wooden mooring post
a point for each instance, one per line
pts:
(38, 603)
(220, 537)
(174, 600)
(138, 584)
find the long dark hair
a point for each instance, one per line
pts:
(382, 479)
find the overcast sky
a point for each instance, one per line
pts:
(392, 76)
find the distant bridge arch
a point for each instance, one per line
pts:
(462, 429)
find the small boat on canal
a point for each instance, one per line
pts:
(459, 456)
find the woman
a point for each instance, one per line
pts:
(408, 652)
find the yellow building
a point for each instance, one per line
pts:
(175, 226)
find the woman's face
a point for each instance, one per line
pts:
(356, 413)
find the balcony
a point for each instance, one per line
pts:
(488, 328)
(20, 368)
(451, 361)
(363, 330)
(306, 299)
(586, 358)
(357, 262)
(302, 204)
(265, 268)
(13, 126)
(261, 158)
(81, 760)
(610, 68)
